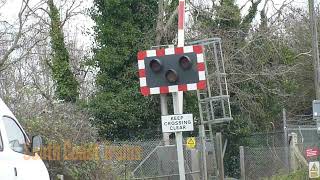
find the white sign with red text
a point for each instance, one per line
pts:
(311, 152)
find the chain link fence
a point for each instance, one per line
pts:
(266, 156)
(270, 156)
(265, 162)
(152, 159)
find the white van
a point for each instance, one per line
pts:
(17, 161)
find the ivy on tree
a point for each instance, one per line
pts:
(66, 83)
(122, 28)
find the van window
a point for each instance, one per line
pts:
(16, 138)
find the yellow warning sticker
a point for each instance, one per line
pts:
(191, 142)
(314, 169)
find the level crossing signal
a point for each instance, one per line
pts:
(169, 70)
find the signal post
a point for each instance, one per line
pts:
(173, 70)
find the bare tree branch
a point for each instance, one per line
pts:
(18, 35)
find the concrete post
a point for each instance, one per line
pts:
(242, 164)
(195, 164)
(220, 156)
(60, 177)
(293, 159)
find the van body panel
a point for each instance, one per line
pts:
(16, 165)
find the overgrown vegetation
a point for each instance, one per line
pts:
(61, 124)
(301, 174)
(66, 84)
(122, 28)
(268, 63)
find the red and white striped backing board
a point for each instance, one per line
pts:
(145, 90)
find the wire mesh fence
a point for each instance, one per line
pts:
(270, 139)
(152, 159)
(265, 162)
(270, 155)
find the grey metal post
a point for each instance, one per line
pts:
(315, 48)
(204, 151)
(285, 138)
(202, 134)
(164, 111)
(220, 156)
(242, 164)
(178, 109)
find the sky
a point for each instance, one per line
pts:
(77, 25)
(82, 23)
(11, 8)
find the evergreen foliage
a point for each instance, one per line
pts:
(122, 28)
(66, 83)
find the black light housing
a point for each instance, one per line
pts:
(185, 62)
(171, 76)
(155, 65)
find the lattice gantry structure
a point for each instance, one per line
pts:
(214, 101)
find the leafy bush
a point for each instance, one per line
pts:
(298, 175)
(60, 123)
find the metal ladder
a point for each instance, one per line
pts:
(214, 103)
